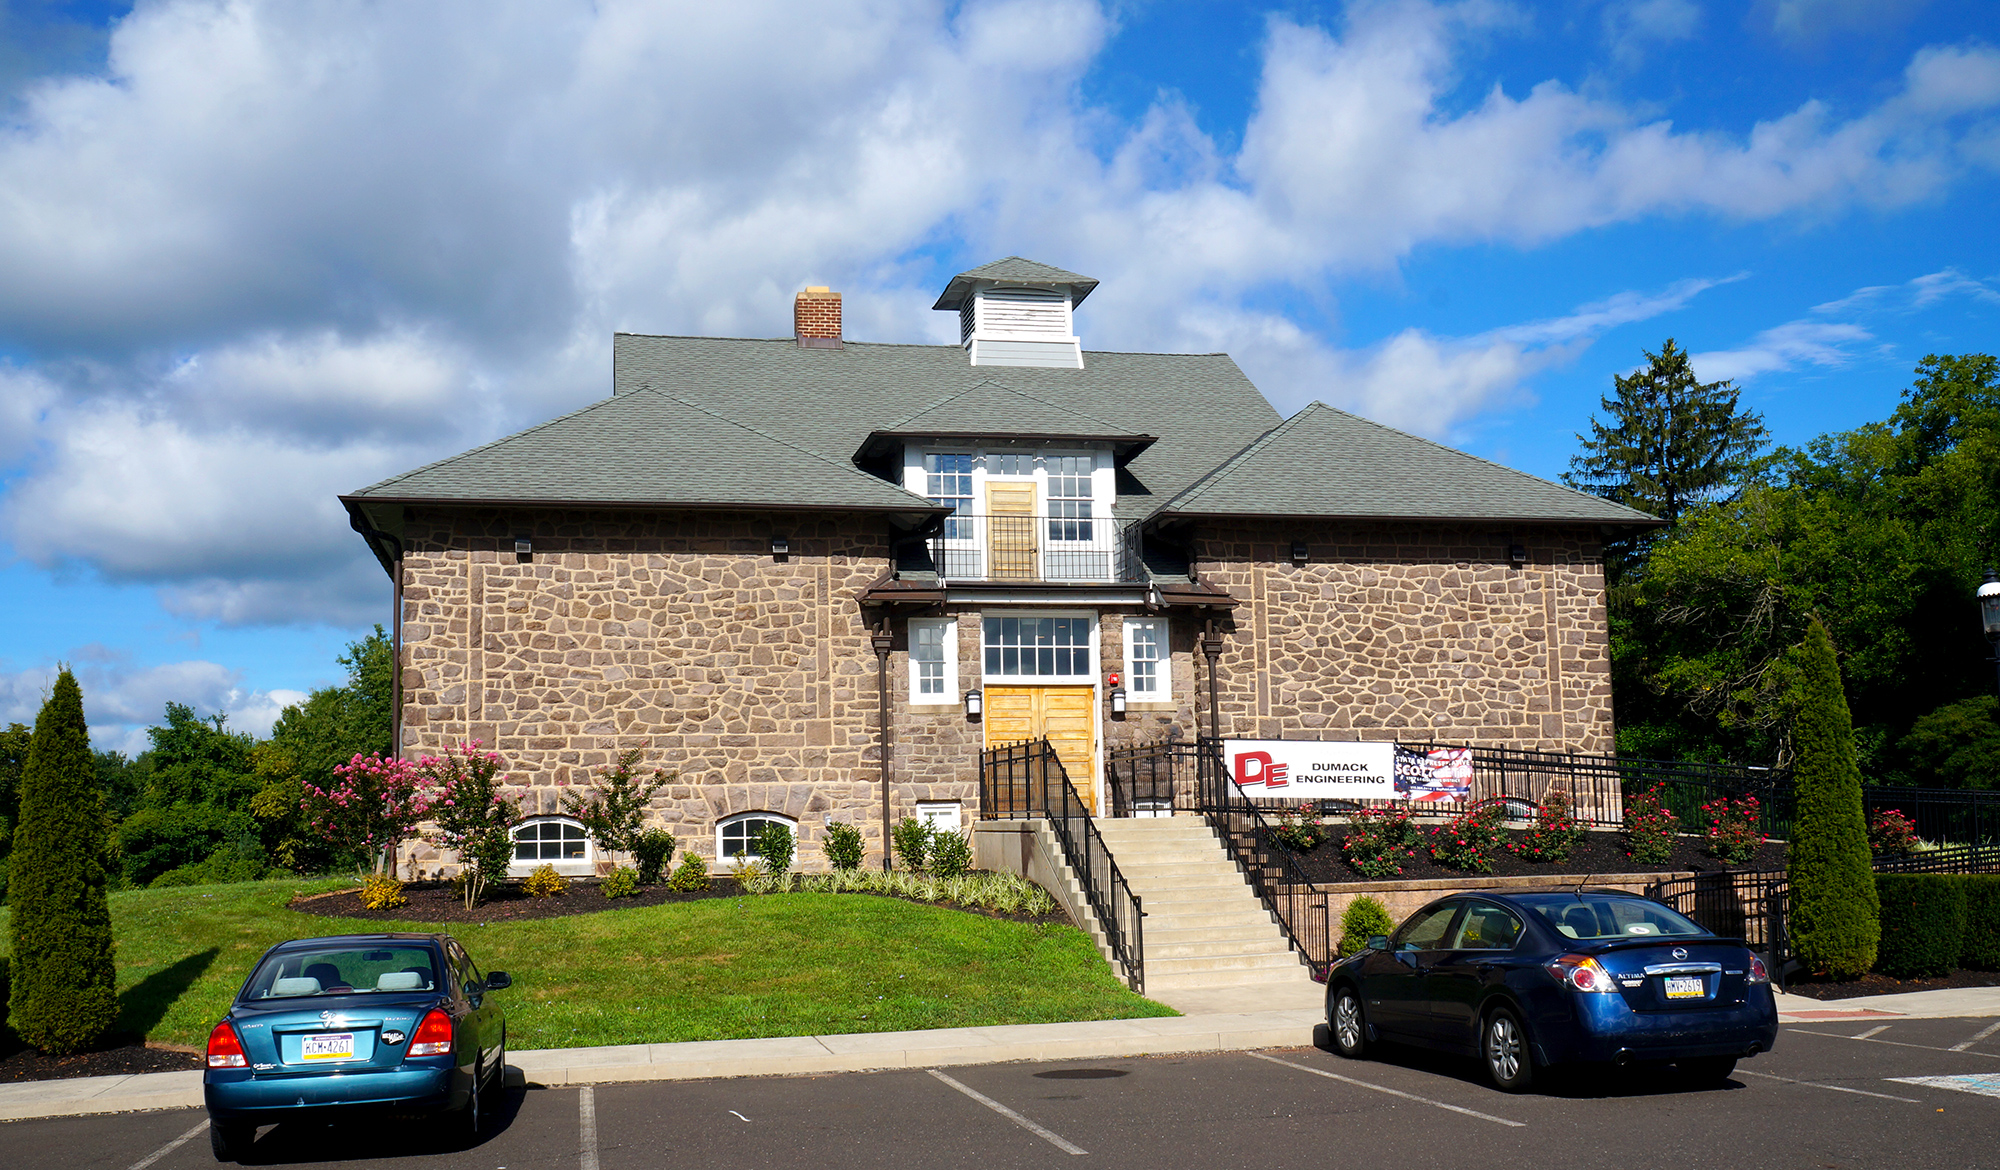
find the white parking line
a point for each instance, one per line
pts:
(1053, 1139)
(1744, 1072)
(1897, 1043)
(169, 1148)
(586, 1128)
(1320, 1072)
(1877, 1030)
(1988, 1030)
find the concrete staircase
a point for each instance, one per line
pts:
(1205, 930)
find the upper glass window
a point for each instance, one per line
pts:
(948, 481)
(1146, 658)
(933, 665)
(1069, 496)
(1038, 647)
(1010, 463)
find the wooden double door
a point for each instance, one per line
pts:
(1065, 716)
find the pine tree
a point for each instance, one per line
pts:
(1835, 911)
(64, 996)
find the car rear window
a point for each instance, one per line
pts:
(344, 971)
(1595, 916)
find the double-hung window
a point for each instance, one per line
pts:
(948, 481)
(1069, 496)
(1038, 647)
(1148, 670)
(933, 660)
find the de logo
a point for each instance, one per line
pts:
(1257, 768)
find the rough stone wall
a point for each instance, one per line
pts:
(751, 677)
(1413, 632)
(936, 752)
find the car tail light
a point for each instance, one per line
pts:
(433, 1036)
(224, 1049)
(1583, 973)
(1758, 973)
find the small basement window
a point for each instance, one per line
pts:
(557, 841)
(736, 836)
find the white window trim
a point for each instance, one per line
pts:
(948, 641)
(1166, 692)
(1090, 676)
(572, 867)
(723, 862)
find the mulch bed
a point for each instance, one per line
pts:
(1595, 853)
(438, 902)
(1879, 984)
(120, 1054)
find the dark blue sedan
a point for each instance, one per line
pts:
(1527, 981)
(399, 1023)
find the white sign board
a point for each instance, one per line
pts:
(1311, 769)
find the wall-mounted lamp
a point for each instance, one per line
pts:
(524, 549)
(975, 702)
(1517, 555)
(1118, 700)
(780, 547)
(1298, 552)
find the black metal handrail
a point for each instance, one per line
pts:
(1745, 904)
(1027, 780)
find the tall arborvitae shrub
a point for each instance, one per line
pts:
(64, 996)
(1835, 915)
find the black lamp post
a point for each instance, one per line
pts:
(1989, 611)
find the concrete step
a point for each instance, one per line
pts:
(1217, 964)
(1240, 930)
(1293, 976)
(1250, 918)
(1157, 949)
(1183, 877)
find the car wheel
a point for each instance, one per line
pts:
(1504, 1046)
(1708, 1070)
(1345, 1025)
(231, 1140)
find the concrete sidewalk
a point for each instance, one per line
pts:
(1207, 1031)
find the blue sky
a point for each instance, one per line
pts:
(263, 253)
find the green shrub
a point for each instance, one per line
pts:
(652, 849)
(842, 845)
(1650, 826)
(228, 864)
(1982, 923)
(545, 882)
(690, 874)
(1733, 833)
(1364, 918)
(64, 996)
(775, 845)
(913, 843)
(951, 854)
(382, 892)
(1892, 832)
(1835, 912)
(622, 882)
(1554, 833)
(1923, 924)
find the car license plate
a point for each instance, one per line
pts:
(327, 1046)
(1686, 987)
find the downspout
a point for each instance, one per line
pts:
(883, 640)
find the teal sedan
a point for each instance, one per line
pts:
(357, 1023)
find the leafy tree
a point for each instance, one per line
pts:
(64, 995)
(336, 724)
(1957, 745)
(614, 812)
(199, 761)
(158, 839)
(13, 760)
(122, 781)
(1835, 920)
(372, 806)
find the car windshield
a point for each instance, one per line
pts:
(343, 971)
(1598, 916)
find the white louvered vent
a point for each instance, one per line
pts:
(1027, 314)
(966, 317)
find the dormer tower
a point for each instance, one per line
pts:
(1015, 312)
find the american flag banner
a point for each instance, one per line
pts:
(1436, 775)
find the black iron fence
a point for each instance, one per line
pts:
(1748, 904)
(1964, 816)
(1027, 780)
(1948, 859)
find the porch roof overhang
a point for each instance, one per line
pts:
(891, 592)
(1124, 448)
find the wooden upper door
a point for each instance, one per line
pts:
(1065, 716)
(1010, 528)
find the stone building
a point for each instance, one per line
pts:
(721, 562)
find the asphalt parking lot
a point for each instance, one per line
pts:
(1915, 1093)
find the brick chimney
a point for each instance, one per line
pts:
(816, 318)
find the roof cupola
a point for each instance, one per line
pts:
(1016, 312)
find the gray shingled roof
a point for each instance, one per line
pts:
(1200, 406)
(1324, 462)
(989, 408)
(648, 447)
(1013, 270)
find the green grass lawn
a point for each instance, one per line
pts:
(727, 968)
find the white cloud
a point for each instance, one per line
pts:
(121, 700)
(1635, 26)
(1834, 334)
(282, 250)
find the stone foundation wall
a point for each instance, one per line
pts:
(1412, 632)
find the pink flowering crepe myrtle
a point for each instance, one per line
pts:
(374, 804)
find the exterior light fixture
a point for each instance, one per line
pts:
(524, 549)
(780, 547)
(1118, 700)
(975, 702)
(1517, 555)
(1298, 552)
(1989, 611)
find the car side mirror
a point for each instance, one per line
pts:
(498, 981)
(1378, 942)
